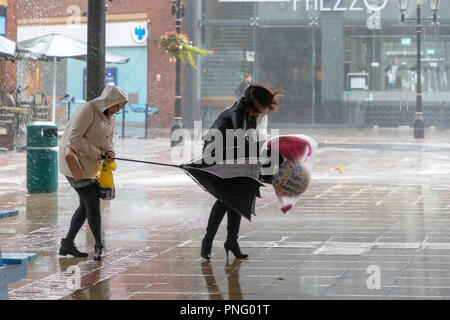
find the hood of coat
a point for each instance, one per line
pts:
(109, 97)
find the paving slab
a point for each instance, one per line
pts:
(387, 212)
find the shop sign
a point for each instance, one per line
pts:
(334, 5)
(139, 33)
(250, 56)
(406, 41)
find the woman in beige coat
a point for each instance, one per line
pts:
(90, 133)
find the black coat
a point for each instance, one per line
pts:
(234, 117)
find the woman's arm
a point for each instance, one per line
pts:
(110, 153)
(238, 120)
(111, 134)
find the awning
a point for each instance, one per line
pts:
(7, 48)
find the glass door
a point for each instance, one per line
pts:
(284, 59)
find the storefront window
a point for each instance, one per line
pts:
(217, 9)
(333, 59)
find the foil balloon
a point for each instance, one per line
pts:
(294, 173)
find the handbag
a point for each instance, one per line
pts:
(73, 163)
(107, 190)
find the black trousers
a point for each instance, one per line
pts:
(89, 209)
(215, 218)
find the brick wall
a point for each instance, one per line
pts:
(8, 68)
(159, 94)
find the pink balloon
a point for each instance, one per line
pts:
(294, 174)
(291, 147)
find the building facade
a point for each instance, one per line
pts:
(339, 62)
(149, 76)
(8, 29)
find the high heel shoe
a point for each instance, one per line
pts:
(234, 247)
(206, 249)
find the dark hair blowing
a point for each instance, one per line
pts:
(262, 95)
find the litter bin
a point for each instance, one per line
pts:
(42, 157)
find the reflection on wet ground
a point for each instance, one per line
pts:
(385, 147)
(378, 230)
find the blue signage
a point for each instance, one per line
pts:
(110, 79)
(139, 33)
(3, 21)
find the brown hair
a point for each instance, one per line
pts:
(258, 95)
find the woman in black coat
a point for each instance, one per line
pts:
(243, 114)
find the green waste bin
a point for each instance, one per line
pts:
(42, 157)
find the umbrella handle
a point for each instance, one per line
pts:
(151, 162)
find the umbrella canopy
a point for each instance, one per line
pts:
(235, 185)
(7, 48)
(57, 45)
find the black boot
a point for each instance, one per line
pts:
(99, 251)
(215, 218)
(206, 249)
(68, 247)
(233, 246)
(234, 222)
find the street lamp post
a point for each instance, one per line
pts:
(314, 23)
(419, 122)
(178, 10)
(96, 48)
(434, 5)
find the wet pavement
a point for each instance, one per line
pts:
(379, 228)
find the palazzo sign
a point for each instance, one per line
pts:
(332, 5)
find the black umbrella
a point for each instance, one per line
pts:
(235, 185)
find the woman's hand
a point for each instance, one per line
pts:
(108, 156)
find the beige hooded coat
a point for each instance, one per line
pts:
(91, 133)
